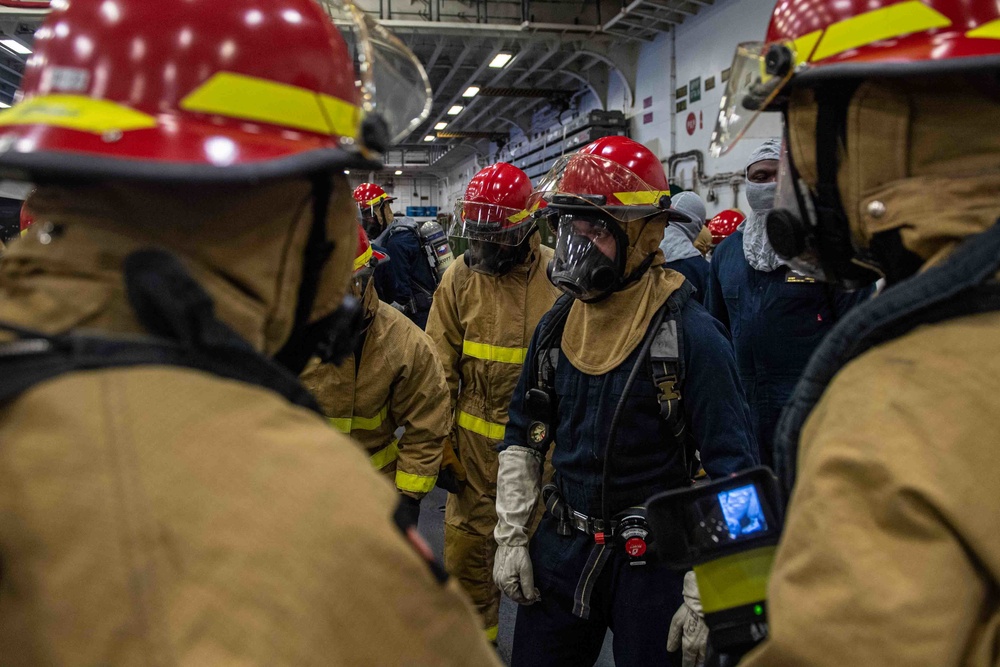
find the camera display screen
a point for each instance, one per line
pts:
(727, 516)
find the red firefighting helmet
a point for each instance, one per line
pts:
(495, 207)
(369, 197)
(807, 43)
(182, 91)
(620, 176)
(366, 256)
(724, 224)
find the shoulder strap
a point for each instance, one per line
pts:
(185, 333)
(547, 352)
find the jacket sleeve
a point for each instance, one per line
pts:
(714, 403)
(404, 251)
(445, 329)
(714, 301)
(420, 405)
(883, 560)
(516, 433)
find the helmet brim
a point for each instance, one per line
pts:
(635, 212)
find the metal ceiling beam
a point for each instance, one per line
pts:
(434, 56)
(559, 70)
(470, 80)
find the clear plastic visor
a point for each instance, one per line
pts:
(390, 79)
(749, 91)
(792, 196)
(579, 238)
(597, 182)
(491, 223)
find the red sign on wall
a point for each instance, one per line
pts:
(692, 123)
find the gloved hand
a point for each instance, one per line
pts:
(452, 475)
(514, 576)
(688, 631)
(519, 481)
(408, 511)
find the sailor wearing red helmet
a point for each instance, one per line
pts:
(628, 377)
(886, 452)
(171, 494)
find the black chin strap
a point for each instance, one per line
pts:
(300, 345)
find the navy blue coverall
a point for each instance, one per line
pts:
(695, 269)
(636, 602)
(413, 281)
(776, 320)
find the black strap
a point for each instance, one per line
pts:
(961, 285)
(185, 333)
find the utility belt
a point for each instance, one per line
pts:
(628, 529)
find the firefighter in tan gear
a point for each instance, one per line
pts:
(392, 379)
(170, 494)
(890, 553)
(483, 315)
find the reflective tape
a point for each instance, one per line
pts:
(736, 580)
(75, 112)
(372, 202)
(386, 455)
(904, 18)
(805, 44)
(406, 481)
(644, 197)
(989, 30)
(348, 424)
(362, 261)
(518, 217)
(491, 633)
(487, 352)
(478, 425)
(254, 99)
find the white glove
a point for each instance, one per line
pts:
(514, 576)
(519, 481)
(688, 631)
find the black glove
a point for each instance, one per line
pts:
(408, 511)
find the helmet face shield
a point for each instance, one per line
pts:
(589, 260)
(594, 181)
(758, 74)
(792, 222)
(491, 223)
(391, 81)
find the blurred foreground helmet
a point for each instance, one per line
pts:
(724, 224)
(231, 92)
(817, 60)
(494, 216)
(592, 198)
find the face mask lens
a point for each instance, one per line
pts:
(585, 263)
(790, 223)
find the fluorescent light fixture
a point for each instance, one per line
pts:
(455, 110)
(399, 172)
(429, 137)
(15, 46)
(441, 125)
(501, 60)
(347, 172)
(471, 91)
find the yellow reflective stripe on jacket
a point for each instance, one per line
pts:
(903, 18)
(478, 425)
(252, 98)
(386, 455)
(644, 197)
(348, 424)
(507, 355)
(491, 633)
(75, 112)
(407, 481)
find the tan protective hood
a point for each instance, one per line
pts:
(923, 157)
(599, 336)
(245, 247)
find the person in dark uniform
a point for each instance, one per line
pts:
(609, 204)
(678, 242)
(776, 316)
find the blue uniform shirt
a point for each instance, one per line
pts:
(695, 269)
(645, 459)
(776, 320)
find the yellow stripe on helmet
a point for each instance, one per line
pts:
(641, 198)
(384, 195)
(75, 112)
(904, 18)
(254, 99)
(362, 261)
(989, 30)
